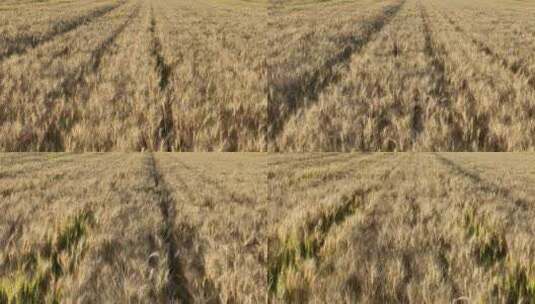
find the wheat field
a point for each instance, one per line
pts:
(276, 228)
(132, 228)
(401, 75)
(258, 75)
(316, 96)
(132, 75)
(401, 228)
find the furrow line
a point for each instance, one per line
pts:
(516, 68)
(52, 140)
(484, 184)
(23, 44)
(306, 89)
(446, 93)
(307, 239)
(69, 86)
(361, 165)
(290, 249)
(164, 70)
(442, 90)
(177, 287)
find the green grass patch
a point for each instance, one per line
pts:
(490, 245)
(519, 286)
(74, 231)
(39, 269)
(29, 287)
(305, 242)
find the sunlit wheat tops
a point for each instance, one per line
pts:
(285, 75)
(132, 75)
(103, 228)
(402, 75)
(401, 228)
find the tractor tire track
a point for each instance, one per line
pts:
(177, 287)
(436, 53)
(443, 92)
(362, 166)
(308, 87)
(70, 85)
(166, 125)
(309, 242)
(516, 68)
(369, 240)
(349, 204)
(23, 44)
(522, 207)
(72, 81)
(447, 93)
(190, 237)
(282, 255)
(483, 184)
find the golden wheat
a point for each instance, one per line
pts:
(408, 76)
(133, 75)
(401, 228)
(132, 228)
